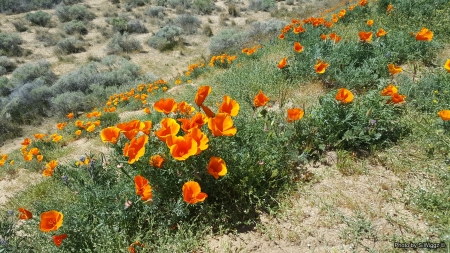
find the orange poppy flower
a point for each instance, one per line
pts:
(447, 65)
(365, 36)
(260, 99)
(328, 24)
(207, 111)
(143, 189)
(57, 239)
(56, 138)
(78, 132)
(444, 114)
(394, 69)
(299, 29)
(24, 214)
(282, 64)
(91, 128)
(294, 114)
(130, 129)
(389, 90)
(39, 158)
(51, 221)
(146, 110)
(145, 127)
(26, 141)
(362, 2)
(156, 161)
(323, 37)
(61, 126)
(297, 47)
(217, 167)
(222, 124)
(192, 193)
(97, 123)
(202, 93)
(169, 127)
(341, 14)
(185, 108)
(424, 34)
(165, 106)
(389, 8)
(39, 136)
(181, 147)
(351, 7)
(335, 38)
(52, 164)
(321, 66)
(396, 99)
(70, 115)
(370, 22)
(230, 106)
(47, 172)
(281, 36)
(381, 32)
(110, 134)
(135, 149)
(344, 96)
(201, 139)
(28, 157)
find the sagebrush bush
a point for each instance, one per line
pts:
(6, 65)
(166, 38)
(74, 12)
(10, 44)
(8, 130)
(71, 101)
(49, 39)
(75, 26)
(30, 72)
(155, 12)
(261, 5)
(266, 28)
(136, 26)
(118, 24)
(20, 25)
(123, 43)
(188, 23)
(40, 18)
(69, 46)
(5, 88)
(19, 6)
(227, 39)
(134, 3)
(204, 6)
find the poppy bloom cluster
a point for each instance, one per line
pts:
(250, 51)
(321, 66)
(394, 69)
(223, 59)
(392, 91)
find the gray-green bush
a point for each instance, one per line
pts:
(166, 38)
(6, 65)
(10, 44)
(136, 26)
(20, 25)
(204, 6)
(227, 39)
(74, 12)
(75, 26)
(188, 23)
(261, 5)
(155, 12)
(19, 6)
(69, 46)
(49, 39)
(123, 43)
(29, 72)
(38, 18)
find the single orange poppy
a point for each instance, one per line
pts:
(51, 221)
(24, 214)
(389, 90)
(78, 132)
(145, 127)
(157, 161)
(396, 99)
(217, 167)
(260, 99)
(192, 193)
(444, 114)
(222, 124)
(321, 66)
(202, 93)
(389, 8)
(323, 37)
(294, 114)
(341, 14)
(365, 36)
(344, 96)
(282, 64)
(169, 127)
(281, 36)
(110, 134)
(362, 2)
(90, 128)
(57, 239)
(34, 151)
(56, 138)
(335, 38)
(230, 106)
(39, 158)
(297, 47)
(394, 69)
(61, 126)
(370, 22)
(28, 157)
(26, 141)
(447, 65)
(39, 136)
(201, 139)
(143, 189)
(181, 147)
(146, 110)
(70, 115)
(424, 34)
(165, 106)
(130, 129)
(135, 149)
(299, 29)
(381, 32)
(185, 108)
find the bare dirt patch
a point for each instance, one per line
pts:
(22, 180)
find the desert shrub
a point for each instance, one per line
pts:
(75, 26)
(123, 43)
(9, 130)
(20, 25)
(6, 65)
(47, 38)
(166, 38)
(161, 2)
(266, 28)
(155, 12)
(204, 6)
(207, 31)
(109, 119)
(10, 44)
(71, 101)
(30, 72)
(188, 23)
(69, 46)
(136, 26)
(232, 11)
(118, 24)
(180, 4)
(261, 5)
(74, 12)
(227, 39)
(134, 3)
(5, 88)
(19, 6)
(39, 18)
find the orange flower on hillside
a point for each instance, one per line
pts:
(281, 36)
(365, 36)
(135, 149)
(51, 221)
(299, 29)
(229, 106)
(165, 106)
(130, 129)
(260, 99)
(34, 151)
(201, 139)
(294, 114)
(146, 110)
(169, 127)
(57, 239)
(447, 65)
(334, 18)
(39, 136)
(79, 124)
(341, 14)
(282, 64)
(39, 158)
(26, 141)
(70, 115)
(444, 114)
(145, 127)
(207, 111)
(192, 193)
(389, 8)
(335, 38)
(90, 128)
(424, 34)
(61, 126)
(185, 108)
(217, 167)
(110, 134)
(323, 37)
(56, 137)
(297, 47)
(344, 96)
(24, 214)
(362, 2)
(381, 32)
(394, 69)
(181, 147)
(28, 157)
(321, 66)
(222, 124)
(143, 189)
(369, 22)
(156, 161)
(396, 99)
(202, 93)
(78, 132)
(389, 90)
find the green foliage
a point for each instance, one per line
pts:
(20, 6)
(10, 44)
(6, 65)
(119, 24)
(155, 12)
(123, 43)
(75, 26)
(74, 12)
(367, 123)
(204, 6)
(166, 38)
(20, 25)
(71, 101)
(38, 18)
(69, 46)
(227, 39)
(261, 5)
(9, 130)
(136, 26)
(49, 39)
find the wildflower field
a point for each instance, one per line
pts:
(238, 136)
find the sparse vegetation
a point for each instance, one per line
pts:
(39, 18)
(69, 46)
(188, 23)
(123, 43)
(74, 12)
(166, 38)
(10, 44)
